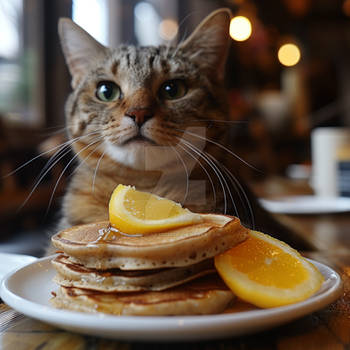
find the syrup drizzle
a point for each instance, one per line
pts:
(109, 234)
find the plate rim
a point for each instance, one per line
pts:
(160, 328)
(14, 261)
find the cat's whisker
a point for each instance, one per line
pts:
(175, 42)
(65, 144)
(240, 190)
(67, 166)
(53, 160)
(211, 165)
(60, 129)
(53, 132)
(175, 52)
(40, 178)
(217, 164)
(49, 167)
(62, 145)
(199, 120)
(186, 171)
(165, 136)
(202, 167)
(96, 169)
(169, 46)
(56, 128)
(218, 121)
(234, 182)
(213, 159)
(83, 160)
(221, 146)
(184, 35)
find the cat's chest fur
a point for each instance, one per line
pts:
(88, 195)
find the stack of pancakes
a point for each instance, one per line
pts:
(169, 273)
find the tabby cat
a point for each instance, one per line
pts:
(155, 118)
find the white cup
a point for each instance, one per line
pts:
(325, 143)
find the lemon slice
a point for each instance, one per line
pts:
(136, 212)
(267, 272)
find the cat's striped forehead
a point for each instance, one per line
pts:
(140, 64)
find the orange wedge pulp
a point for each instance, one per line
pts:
(136, 212)
(267, 272)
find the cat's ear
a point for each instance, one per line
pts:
(80, 48)
(208, 45)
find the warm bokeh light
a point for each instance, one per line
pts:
(346, 7)
(289, 54)
(240, 28)
(168, 29)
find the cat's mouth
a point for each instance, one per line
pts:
(139, 139)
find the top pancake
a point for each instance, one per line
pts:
(91, 246)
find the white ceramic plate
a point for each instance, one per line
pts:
(28, 291)
(10, 262)
(307, 205)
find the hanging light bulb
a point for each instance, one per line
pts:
(346, 7)
(168, 29)
(240, 28)
(289, 54)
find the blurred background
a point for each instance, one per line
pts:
(288, 73)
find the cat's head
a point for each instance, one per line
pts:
(128, 99)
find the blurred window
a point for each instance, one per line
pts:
(20, 61)
(146, 24)
(92, 15)
(142, 22)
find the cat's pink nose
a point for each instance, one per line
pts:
(139, 115)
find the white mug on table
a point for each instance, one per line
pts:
(326, 143)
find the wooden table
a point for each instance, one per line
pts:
(326, 329)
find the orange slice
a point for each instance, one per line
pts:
(136, 212)
(267, 272)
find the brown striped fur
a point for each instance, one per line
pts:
(167, 164)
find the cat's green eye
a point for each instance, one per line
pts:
(172, 89)
(107, 91)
